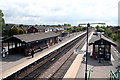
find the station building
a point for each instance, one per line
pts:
(26, 42)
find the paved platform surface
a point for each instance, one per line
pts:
(72, 71)
(11, 62)
(99, 70)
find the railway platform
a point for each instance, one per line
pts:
(98, 70)
(72, 71)
(14, 63)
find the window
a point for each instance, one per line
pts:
(102, 48)
(50, 40)
(41, 42)
(107, 48)
(96, 48)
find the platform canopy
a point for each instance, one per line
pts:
(11, 39)
(97, 40)
(30, 37)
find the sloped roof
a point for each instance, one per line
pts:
(39, 27)
(32, 37)
(96, 38)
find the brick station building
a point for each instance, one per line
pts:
(25, 42)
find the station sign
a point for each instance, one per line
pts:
(77, 51)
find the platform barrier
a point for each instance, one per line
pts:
(113, 76)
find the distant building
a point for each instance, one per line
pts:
(35, 29)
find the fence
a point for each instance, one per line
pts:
(113, 76)
(89, 74)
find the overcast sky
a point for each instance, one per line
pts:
(60, 11)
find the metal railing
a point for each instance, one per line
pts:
(113, 76)
(89, 73)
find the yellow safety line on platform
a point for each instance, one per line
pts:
(73, 70)
(84, 48)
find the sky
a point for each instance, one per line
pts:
(55, 12)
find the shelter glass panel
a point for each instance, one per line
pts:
(102, 48)
(96, 48)
(107, 48)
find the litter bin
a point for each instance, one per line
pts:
(107, 57)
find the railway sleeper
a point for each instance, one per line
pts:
(64, 46)
(32, 67)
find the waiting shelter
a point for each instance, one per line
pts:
(101, 48)
(24, 43)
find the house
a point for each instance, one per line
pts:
(66, 27)
(35, 29)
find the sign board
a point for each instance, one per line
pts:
(77, 51)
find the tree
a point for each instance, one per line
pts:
(65, 24)
(114, 36)
(43, 25)
(108, 32)
(21, 31)
(78, 28)
(2, 21)
(14, 31)
(71, 29)
(24, 31)
(36, 25)
(118, 36)
(21, 25)
(9, 33)
(79, 25)
(69, 24)
(97, 27)
(82, 28)
(59, 25)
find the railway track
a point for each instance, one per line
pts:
(63, 69)
(34, 70)
(52, 59)
(58, 69)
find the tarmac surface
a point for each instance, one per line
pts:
(11, 61)
(99, 70)
(72, 71)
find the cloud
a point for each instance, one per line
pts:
(60, 12)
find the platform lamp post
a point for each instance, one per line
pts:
(88, 25)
